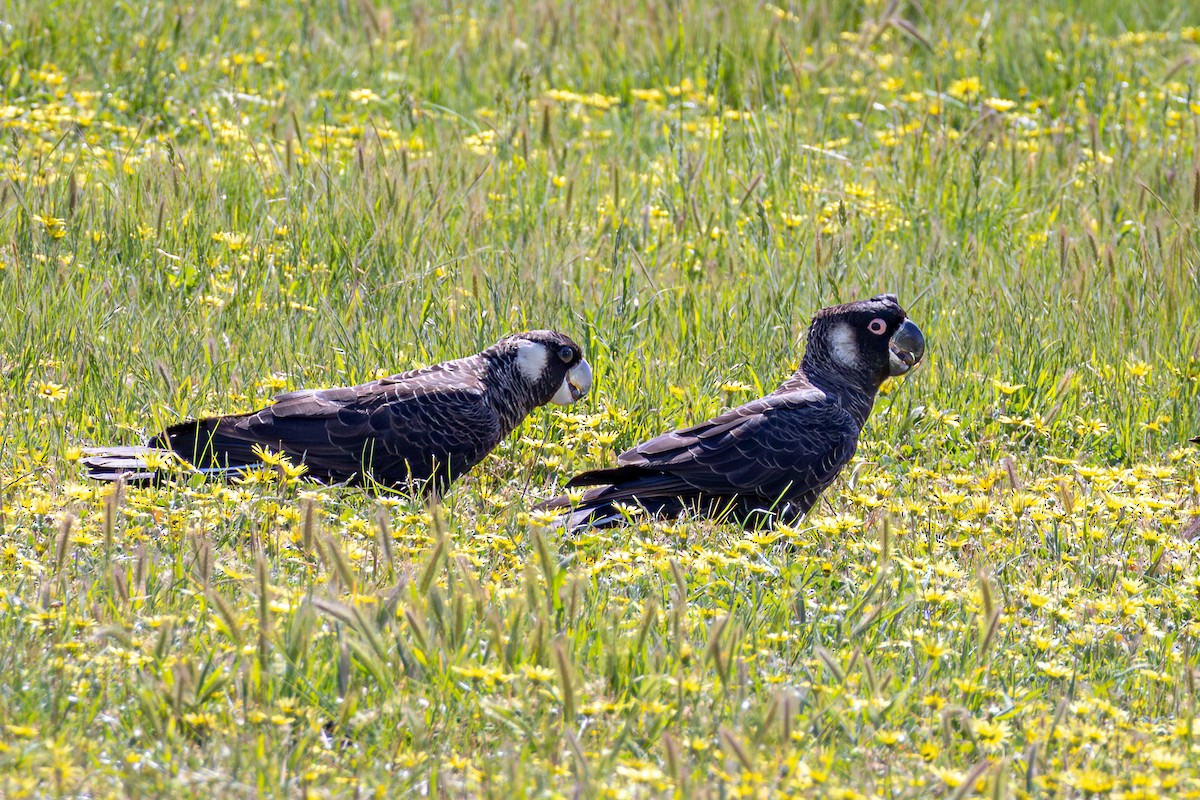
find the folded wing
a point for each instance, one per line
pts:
(393, 432)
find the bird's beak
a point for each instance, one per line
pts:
(577, 383)
(907, 348)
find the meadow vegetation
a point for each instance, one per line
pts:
(206, 204)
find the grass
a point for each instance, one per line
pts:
(205, 206)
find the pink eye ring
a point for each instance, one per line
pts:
(877, 326)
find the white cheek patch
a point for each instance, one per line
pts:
(531, 360)
(843, 345)
(563, 397)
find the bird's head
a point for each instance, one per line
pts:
(866, 341)
(549, 364)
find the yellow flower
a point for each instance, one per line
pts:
(234, 241)
(948, 418)
(1165, 759)
(55, 228)
(1138, 369)
(159, 459)
(889, 738)
(292, 471)
(1053, 669)
(201, 719)
(51, 391)
(482, 143)
(992, 734)
(538, 674)
(951, 777)
(965, 88)
(1093, 427)
(1093, 781)
(363, 96)
(934, 650)
(267, 456)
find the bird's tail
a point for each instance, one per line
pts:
(203, 442)
(194, 447)
(598, 508)
(576, 517)
(147, 465)
(134, 465)
(629, 493)
(619, 495)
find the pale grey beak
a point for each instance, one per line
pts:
(575, 385)
(907, 348)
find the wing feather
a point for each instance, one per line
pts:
(433, 422)
(786, 446)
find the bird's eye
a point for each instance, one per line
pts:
(566, 353)
(877, 326)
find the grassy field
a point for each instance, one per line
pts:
(205, 205)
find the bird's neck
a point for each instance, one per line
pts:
(849, 391)
(516, 400)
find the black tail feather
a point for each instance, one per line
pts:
(201, 443)
(600, 513)
(658, 494)
(625, 493)
(181, 450)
